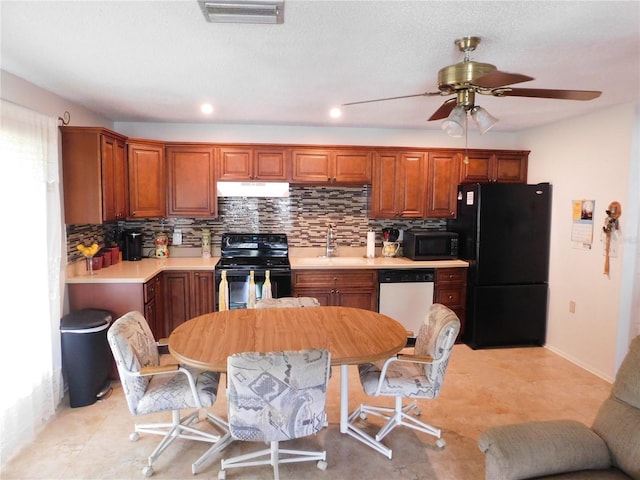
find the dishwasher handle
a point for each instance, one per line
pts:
(407, 276)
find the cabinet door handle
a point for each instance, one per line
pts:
(196, 274)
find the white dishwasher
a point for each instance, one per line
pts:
(406, 295)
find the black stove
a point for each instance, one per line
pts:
(263, 251)
(242, 253)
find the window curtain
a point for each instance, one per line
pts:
(31, 238)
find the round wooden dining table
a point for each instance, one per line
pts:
(352, 335)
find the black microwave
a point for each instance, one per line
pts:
(430, 245)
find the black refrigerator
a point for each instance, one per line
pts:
(504, 234)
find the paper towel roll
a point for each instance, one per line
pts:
(371, 244)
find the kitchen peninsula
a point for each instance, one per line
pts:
(169, 291)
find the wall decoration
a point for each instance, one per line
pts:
(610, 231)
(582, 227)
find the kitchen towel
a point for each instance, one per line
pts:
(371, 244)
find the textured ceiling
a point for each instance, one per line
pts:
(157, 61)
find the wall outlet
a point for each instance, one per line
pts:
(177, 236)
(572, 306)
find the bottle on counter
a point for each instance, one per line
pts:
(206, 244)
(251, 302)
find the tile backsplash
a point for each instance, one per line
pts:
(303, 216)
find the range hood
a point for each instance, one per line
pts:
(253, 189)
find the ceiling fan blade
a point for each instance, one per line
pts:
(547, 93)
(497, 79)
(426, 94)
(444, 110)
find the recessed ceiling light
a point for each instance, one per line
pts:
(335, 112)
(206, 108)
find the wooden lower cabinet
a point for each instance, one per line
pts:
(345, 288)
(187, 294)
(451, 291)
(154, 306)
(121, 298)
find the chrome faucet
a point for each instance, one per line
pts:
(331, 236)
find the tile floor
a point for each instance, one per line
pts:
(482, 388)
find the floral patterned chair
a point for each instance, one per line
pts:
(151, 387)
(417, 375)
(276, 396)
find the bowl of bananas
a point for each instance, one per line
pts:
(89, 252)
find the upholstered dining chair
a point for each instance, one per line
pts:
(417, 375)
(152, 387)
(273, 397)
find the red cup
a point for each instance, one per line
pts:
(115, 255)
(96, 262)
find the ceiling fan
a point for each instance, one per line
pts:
(466, 78)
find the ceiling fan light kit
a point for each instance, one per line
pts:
(483, 119)
(455, 124)
(466, 78)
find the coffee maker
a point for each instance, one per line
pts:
(132, 245)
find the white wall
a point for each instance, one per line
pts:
(26, 94)
(591, 157)
(223, 133)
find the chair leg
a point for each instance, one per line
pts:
(402, 417)
(274, 458)
(179, 427)
(394, 417)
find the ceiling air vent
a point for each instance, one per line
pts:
(243, 11)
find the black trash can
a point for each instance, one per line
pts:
(86, 357)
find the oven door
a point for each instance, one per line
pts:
(238, 281)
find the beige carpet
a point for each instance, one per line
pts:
(482, 388)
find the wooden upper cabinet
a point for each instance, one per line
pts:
(399, 185)
(495, 166)
(147, 179)
(94, 175)
(253, 163)
(191, 181)
(352, 166)
(331, 166)
(442, 184)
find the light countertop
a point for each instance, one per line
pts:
(145, 269)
